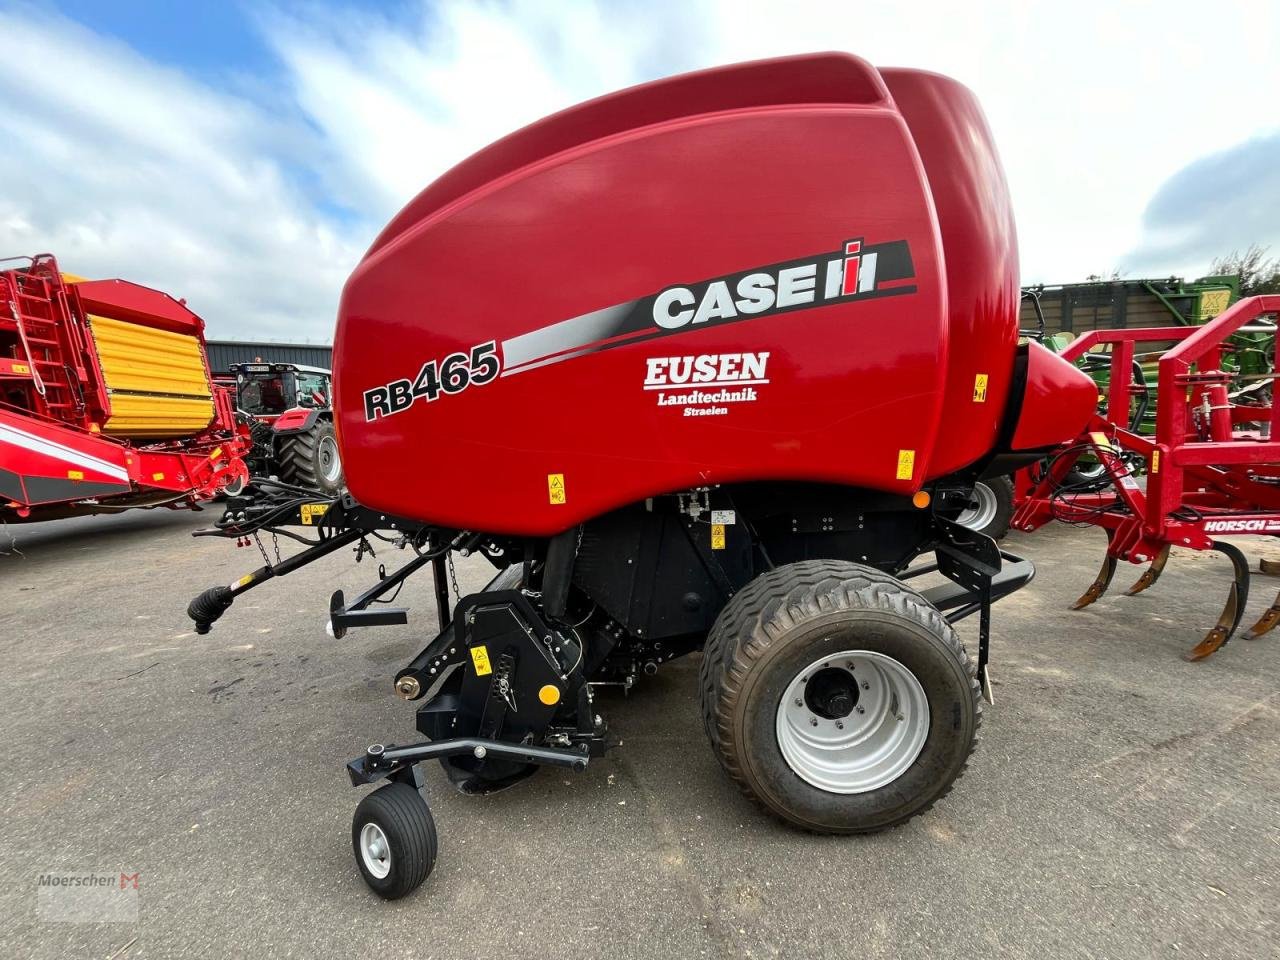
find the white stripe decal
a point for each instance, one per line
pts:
(48, 448)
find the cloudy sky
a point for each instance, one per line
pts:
(243, 155)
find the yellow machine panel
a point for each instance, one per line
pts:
(157, 380)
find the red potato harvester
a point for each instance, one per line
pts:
(713, 363)
(106, 402)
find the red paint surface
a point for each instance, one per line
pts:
(673, 183)
(1058, 396)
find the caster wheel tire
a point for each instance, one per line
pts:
(838, 698)
(394, 839)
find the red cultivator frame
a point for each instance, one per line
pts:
(1213, 465)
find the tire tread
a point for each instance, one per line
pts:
(778, 600)
(402, 811)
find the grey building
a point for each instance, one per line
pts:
(223, 353)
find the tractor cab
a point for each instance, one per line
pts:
(266, 390)
(290, 414)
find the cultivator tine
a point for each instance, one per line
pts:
(1234, 609)
(1266, 623)
(1152, 573)
(1099, 586)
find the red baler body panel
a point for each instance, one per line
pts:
(710, 279)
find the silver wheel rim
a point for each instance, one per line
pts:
(874, 744)
(330, 465)
(375, 851)
(977, 518)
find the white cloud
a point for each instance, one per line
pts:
(255, 208)
(125, 168)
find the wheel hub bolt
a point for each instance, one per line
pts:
(865, 685)
(839, 724)
(799, 702)
(813, 721)
(862, 709)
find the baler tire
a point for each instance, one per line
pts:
(404, 820)
(774, 629)
(300, 459)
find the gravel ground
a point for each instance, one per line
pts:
(1123, 803)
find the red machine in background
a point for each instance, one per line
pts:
(106, 401)
(288, 410)
(1213, 465)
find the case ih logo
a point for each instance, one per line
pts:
(857, 271)
(851, 274)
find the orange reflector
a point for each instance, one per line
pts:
(921, 499)
(549, 695)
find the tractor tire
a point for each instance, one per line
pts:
(904, 689)
(311, 460)
(393, 836)
(994, 510)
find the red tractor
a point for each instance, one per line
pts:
(711, 365)
(287, 407)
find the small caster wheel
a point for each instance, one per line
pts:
(394, 838)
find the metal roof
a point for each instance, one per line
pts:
(223, 353)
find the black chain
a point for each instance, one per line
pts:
(453, 576)
(261, 549)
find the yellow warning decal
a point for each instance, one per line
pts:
(157, 476)
(1155, 461)
(75, 474)
(555, 490)
(216, 453)
(21, 368)
(906, 464)
(717, 536)
(1100, 441)
(480, 658)
(310, 511)
(245, 580)
(980, 388)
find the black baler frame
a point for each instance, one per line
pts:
(977, 573)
